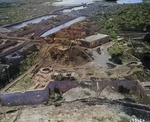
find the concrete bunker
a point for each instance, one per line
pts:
(44, 75)
(94, 40)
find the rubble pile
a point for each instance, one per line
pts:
(66, 35)
(64, 45)
(66, 55)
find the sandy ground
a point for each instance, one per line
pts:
(102, 59)
(71, 110)
(68, 112)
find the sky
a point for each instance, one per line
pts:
(74, 2)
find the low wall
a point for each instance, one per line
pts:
(41, 96)
(100, 85)
(143, 94)
(13, 49)
(8, 44)
(62, 86)
(133, 87)
(25, 98)
(36, 96)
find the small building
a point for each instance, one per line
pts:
(94, 40)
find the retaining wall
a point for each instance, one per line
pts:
(133, 87)
(62, 86)
(36, 96)
(25, 98)
(41, 96)
(100, 85)
(143, 94)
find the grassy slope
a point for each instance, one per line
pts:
(24, 10)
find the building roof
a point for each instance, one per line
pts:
(94, 37)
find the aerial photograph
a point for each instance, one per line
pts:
(74, 60)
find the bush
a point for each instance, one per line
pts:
(28, 62)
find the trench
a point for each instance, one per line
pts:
(62, 26)
(24, 23)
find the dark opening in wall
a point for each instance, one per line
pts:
(122, 89)
(147, 87)
(56, 90)
(146, 59)
(46, 69)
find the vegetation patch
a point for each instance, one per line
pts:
(54, 98)
(117, 51)
(134, 17)
(28, 62)
(15, 11)
(24, 84)
(138, 73)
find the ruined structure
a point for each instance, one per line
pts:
(4, 74)
(42, 77)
